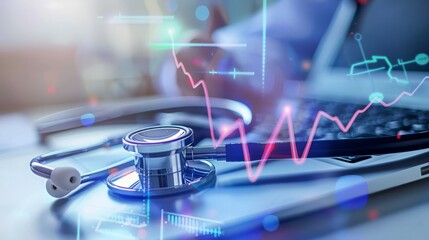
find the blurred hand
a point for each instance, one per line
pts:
(200, 61)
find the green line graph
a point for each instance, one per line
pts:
(234, 73)
(420, 59)
(355, 69)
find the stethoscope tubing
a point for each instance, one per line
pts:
(38, 165)
(234, 153)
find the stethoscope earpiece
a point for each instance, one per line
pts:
(67, 178)
(62, 181)
(55, 191)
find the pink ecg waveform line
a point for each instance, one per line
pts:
(285, 116)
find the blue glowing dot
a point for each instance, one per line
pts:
(202, 12)
(351, 192)
(87, 119)
(270, 223)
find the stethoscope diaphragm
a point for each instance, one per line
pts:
(161, 167)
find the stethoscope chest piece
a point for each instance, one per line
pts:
(160, 164)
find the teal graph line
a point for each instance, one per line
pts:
(234, 73)
(161, 232)
(366, 72)
(146, 202)
(264, 40)
(197, 218)
(358, 38)
(125, 219)
(193, 225)
(402, 63)
(420, 59)
(78, 227)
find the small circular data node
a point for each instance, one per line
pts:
(376, 97)
(358, 36)
(422, 59)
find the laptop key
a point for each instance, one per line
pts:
(381, 131)
(394, 125)
(353, 159)
(419, 127)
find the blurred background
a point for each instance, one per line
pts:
(58, 52)
(61, 52)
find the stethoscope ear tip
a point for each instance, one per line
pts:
(55, 191)
(63, 180)
(67, 178)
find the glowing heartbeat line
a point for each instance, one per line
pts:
(285, 116)
(234, 73)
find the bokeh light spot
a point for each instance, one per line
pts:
(142, 233)
(52, 89)
(270, 223)
(224, 129)
(306, 65)
(373, 214)
(93, 101)
(87, 119)
(197, 61)
(113, 170)
(202, 13)
(351, 192)
(286, 109)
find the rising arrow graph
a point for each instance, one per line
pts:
(285, 117)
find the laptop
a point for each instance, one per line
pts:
(284, 189)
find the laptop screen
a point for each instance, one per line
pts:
(378, 48)
(392, 30)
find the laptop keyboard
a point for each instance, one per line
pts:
(377, 121)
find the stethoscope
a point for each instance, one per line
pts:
(164, 161)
